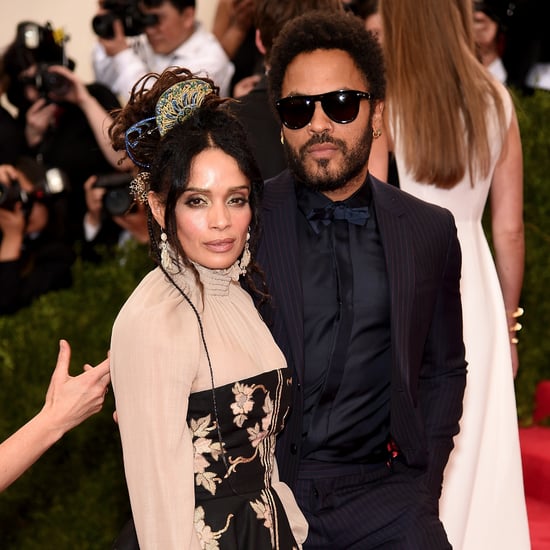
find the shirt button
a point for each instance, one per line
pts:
(293, 449)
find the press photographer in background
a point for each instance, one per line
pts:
(112, 217)
(136, 37)
(34, 257)
(64, 121)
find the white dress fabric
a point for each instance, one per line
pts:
(482, 505)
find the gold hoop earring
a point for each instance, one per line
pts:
(376, 133)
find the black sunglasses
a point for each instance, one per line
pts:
(341, 106)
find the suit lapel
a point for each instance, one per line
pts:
(281, 259)
(397, 238)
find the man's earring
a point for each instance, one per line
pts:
(282, 137)
(376, 133)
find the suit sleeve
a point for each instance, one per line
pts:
(443, 375)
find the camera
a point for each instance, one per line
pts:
(55, 181)
(48, 49)
(47, 82)
(133, 19)
(118, 199)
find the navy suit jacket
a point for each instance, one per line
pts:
(423, 262)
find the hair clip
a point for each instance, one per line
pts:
(139, 187)
(179, 101)
(135, 133)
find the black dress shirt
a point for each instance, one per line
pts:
(347, 333)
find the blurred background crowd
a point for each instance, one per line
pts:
(64, 191)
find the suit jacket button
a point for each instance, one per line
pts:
(293, 449)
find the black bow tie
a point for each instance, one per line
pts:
(337, 211)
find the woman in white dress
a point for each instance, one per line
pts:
(456, 140)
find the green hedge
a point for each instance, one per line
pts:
(534, 346)
(75, 496)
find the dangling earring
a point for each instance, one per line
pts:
(165, 259)
(245, 258)
(376, 133)
(282, 137)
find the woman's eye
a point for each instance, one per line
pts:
(195, 201)
(240, 201)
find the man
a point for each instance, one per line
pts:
(253, 109)
(365, 304)
(173, 37)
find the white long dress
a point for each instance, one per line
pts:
(483, 504)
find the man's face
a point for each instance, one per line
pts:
(173, 27)
(325, 155)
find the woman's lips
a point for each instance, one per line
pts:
(220, 245)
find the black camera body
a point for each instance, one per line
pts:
(47, 82)
(54, 181)
(133, 19)
(11, 194)
(118, 199)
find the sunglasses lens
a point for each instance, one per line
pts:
(295, 112)
(342, 107)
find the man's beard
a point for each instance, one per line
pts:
(323, 179)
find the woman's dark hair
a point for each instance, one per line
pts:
(170, 157)
(327, 31)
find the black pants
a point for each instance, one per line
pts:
(354, 507)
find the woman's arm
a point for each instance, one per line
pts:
(69, 401)
(98, 118)
(507, 225)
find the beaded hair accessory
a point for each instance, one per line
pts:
(173, 106)
(179, 101)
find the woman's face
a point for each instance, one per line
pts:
(213, 214)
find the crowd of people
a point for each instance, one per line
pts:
(307, 364)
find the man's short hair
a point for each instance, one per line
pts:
(327, 31)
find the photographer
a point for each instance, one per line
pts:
(112, 217)
(157, 34)
(34, 259)
(64, 121)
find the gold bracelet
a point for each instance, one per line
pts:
(516, 327)
(517, 313)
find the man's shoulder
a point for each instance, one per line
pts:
(389, 196)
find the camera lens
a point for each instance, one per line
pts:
(117, 201)
(103, 25)
(12, 194)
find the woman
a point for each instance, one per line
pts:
(456, 139)
(201, 388)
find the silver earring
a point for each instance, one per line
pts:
(165, 259)
(245, 258)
